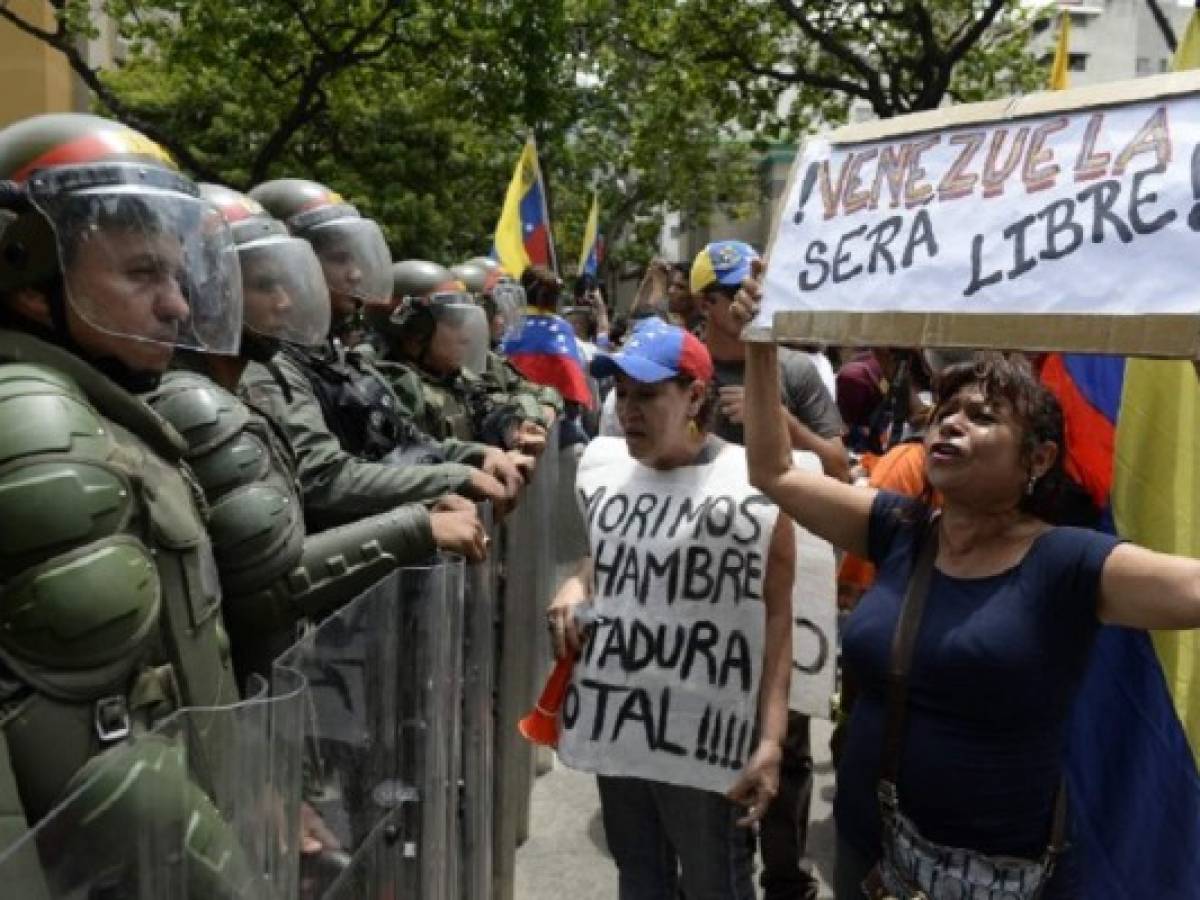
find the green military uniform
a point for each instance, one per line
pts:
(110, 616)
(456, 406)
(111, 611)
(501, 377)
(337, 484)
(273, 575)
(482, 277)
(434, 335)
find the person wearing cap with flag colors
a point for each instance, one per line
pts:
(813, 425)
(671, 817)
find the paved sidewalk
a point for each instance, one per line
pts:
(565, 857)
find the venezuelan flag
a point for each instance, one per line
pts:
(1132, 756)
(546, 352)
(522, 236)
(589, 257)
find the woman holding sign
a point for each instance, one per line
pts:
(678, 700)
(970, 645)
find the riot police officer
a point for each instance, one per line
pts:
(272, 574)
(436, 336)
(503, 300)
(110, 613)
(357, 454)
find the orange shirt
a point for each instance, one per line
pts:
(902, 471)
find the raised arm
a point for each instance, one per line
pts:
(1140, 588)
(827, 507)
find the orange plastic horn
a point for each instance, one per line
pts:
(541, 725)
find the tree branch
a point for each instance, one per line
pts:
(839, 51)
(959, 48)
(65, 43)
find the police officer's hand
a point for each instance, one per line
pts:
(531, 438)
(482, 486)
(749, 296)
(525, 464)
(315, 836)
(452, 502)
(460, 531)
(497, 464)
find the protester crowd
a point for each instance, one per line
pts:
(226, 415)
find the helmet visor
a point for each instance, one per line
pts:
(355, 258)
(148, 263)
(460, 335)
(510, 308)
(284, 290)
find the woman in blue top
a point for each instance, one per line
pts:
(1011, 611)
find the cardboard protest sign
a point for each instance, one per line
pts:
(666, 687)
(1066, 220)
(814, 617)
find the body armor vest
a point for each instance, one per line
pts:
(110, 609)
(360, 410)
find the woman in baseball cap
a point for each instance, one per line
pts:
(675, 503)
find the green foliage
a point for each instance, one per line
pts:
(899, 56)
(416, 109)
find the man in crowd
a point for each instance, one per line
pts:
(813, 425)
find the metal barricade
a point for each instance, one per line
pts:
(383, 736)
(478, 737)
(158, 818)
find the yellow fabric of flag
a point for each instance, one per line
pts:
(509, 239)
(590, 231)
(1060, 71)
(1156, 474)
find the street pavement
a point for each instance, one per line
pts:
(565, 857)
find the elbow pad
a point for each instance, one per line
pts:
(339, 564)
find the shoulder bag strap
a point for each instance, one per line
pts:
(903, 642)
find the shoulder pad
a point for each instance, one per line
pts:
(203, 412)
(43, 411)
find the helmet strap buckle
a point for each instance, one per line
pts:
(112, 719)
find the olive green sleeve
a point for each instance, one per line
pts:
(406, 385)
(336, 486)
(502, 378)
(338, 564)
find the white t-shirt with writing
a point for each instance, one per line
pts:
(667, 685)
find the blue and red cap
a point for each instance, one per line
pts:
(655, 352)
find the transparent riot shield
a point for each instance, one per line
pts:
(254, 785)
(522, 656)
(157, 818)
(478, 728)
(382, 737)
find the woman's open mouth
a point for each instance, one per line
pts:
(944, 451)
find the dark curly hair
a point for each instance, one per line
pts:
(1008, 379)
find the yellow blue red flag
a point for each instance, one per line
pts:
(591, 254)
(523, 232)
(1135, 736)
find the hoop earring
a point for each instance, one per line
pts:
(693, 429)
(1030, 485)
